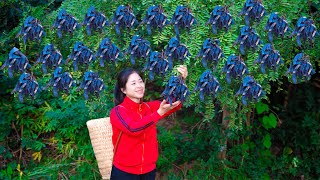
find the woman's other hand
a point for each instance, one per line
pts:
(164, 107)
(183, 71)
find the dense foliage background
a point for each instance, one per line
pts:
(277, 138)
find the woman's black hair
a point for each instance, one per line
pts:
(122, 79)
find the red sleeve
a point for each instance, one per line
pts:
(121, 119)
(154, 105)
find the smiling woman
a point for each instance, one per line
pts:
(134, 88)
(134, 127)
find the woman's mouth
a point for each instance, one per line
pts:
(140, 91)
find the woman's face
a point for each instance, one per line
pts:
(134, 88)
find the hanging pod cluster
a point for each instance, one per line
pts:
(250, 90)
(91, 84)
(26, 86)
(60, 81)
(94, 20)
(155, 18)
(138, 48)
(207, 85)
(210, 52)
(276, 25)
(235, 68)
(124, 18)
(253, 10)
(81, 55)
(108, 52)
(65, 23)
(182, 18)
(248, 39)
(16, 62)
(220, 18)
(157, 64)
(301, 68)
(49, 58)
(175, 90)
(269, 57)
(305, 30)
(175, 50)
(31, 30)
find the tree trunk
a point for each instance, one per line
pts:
(224, 127)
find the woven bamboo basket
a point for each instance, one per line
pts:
(100, 132)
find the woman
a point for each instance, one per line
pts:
(134, 127)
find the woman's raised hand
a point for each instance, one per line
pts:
(164, 107)
(183, 70)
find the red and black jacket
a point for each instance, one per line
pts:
(137, 150)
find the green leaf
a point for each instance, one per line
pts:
(287, 150)
(267, 141)
(265, 122)
(266, 177)
(9, 170)
(269, 121)
(272, 120)
(261, 107)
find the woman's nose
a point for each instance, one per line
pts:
(140, 84)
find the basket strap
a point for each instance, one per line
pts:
(117, 143)
(116, 147)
